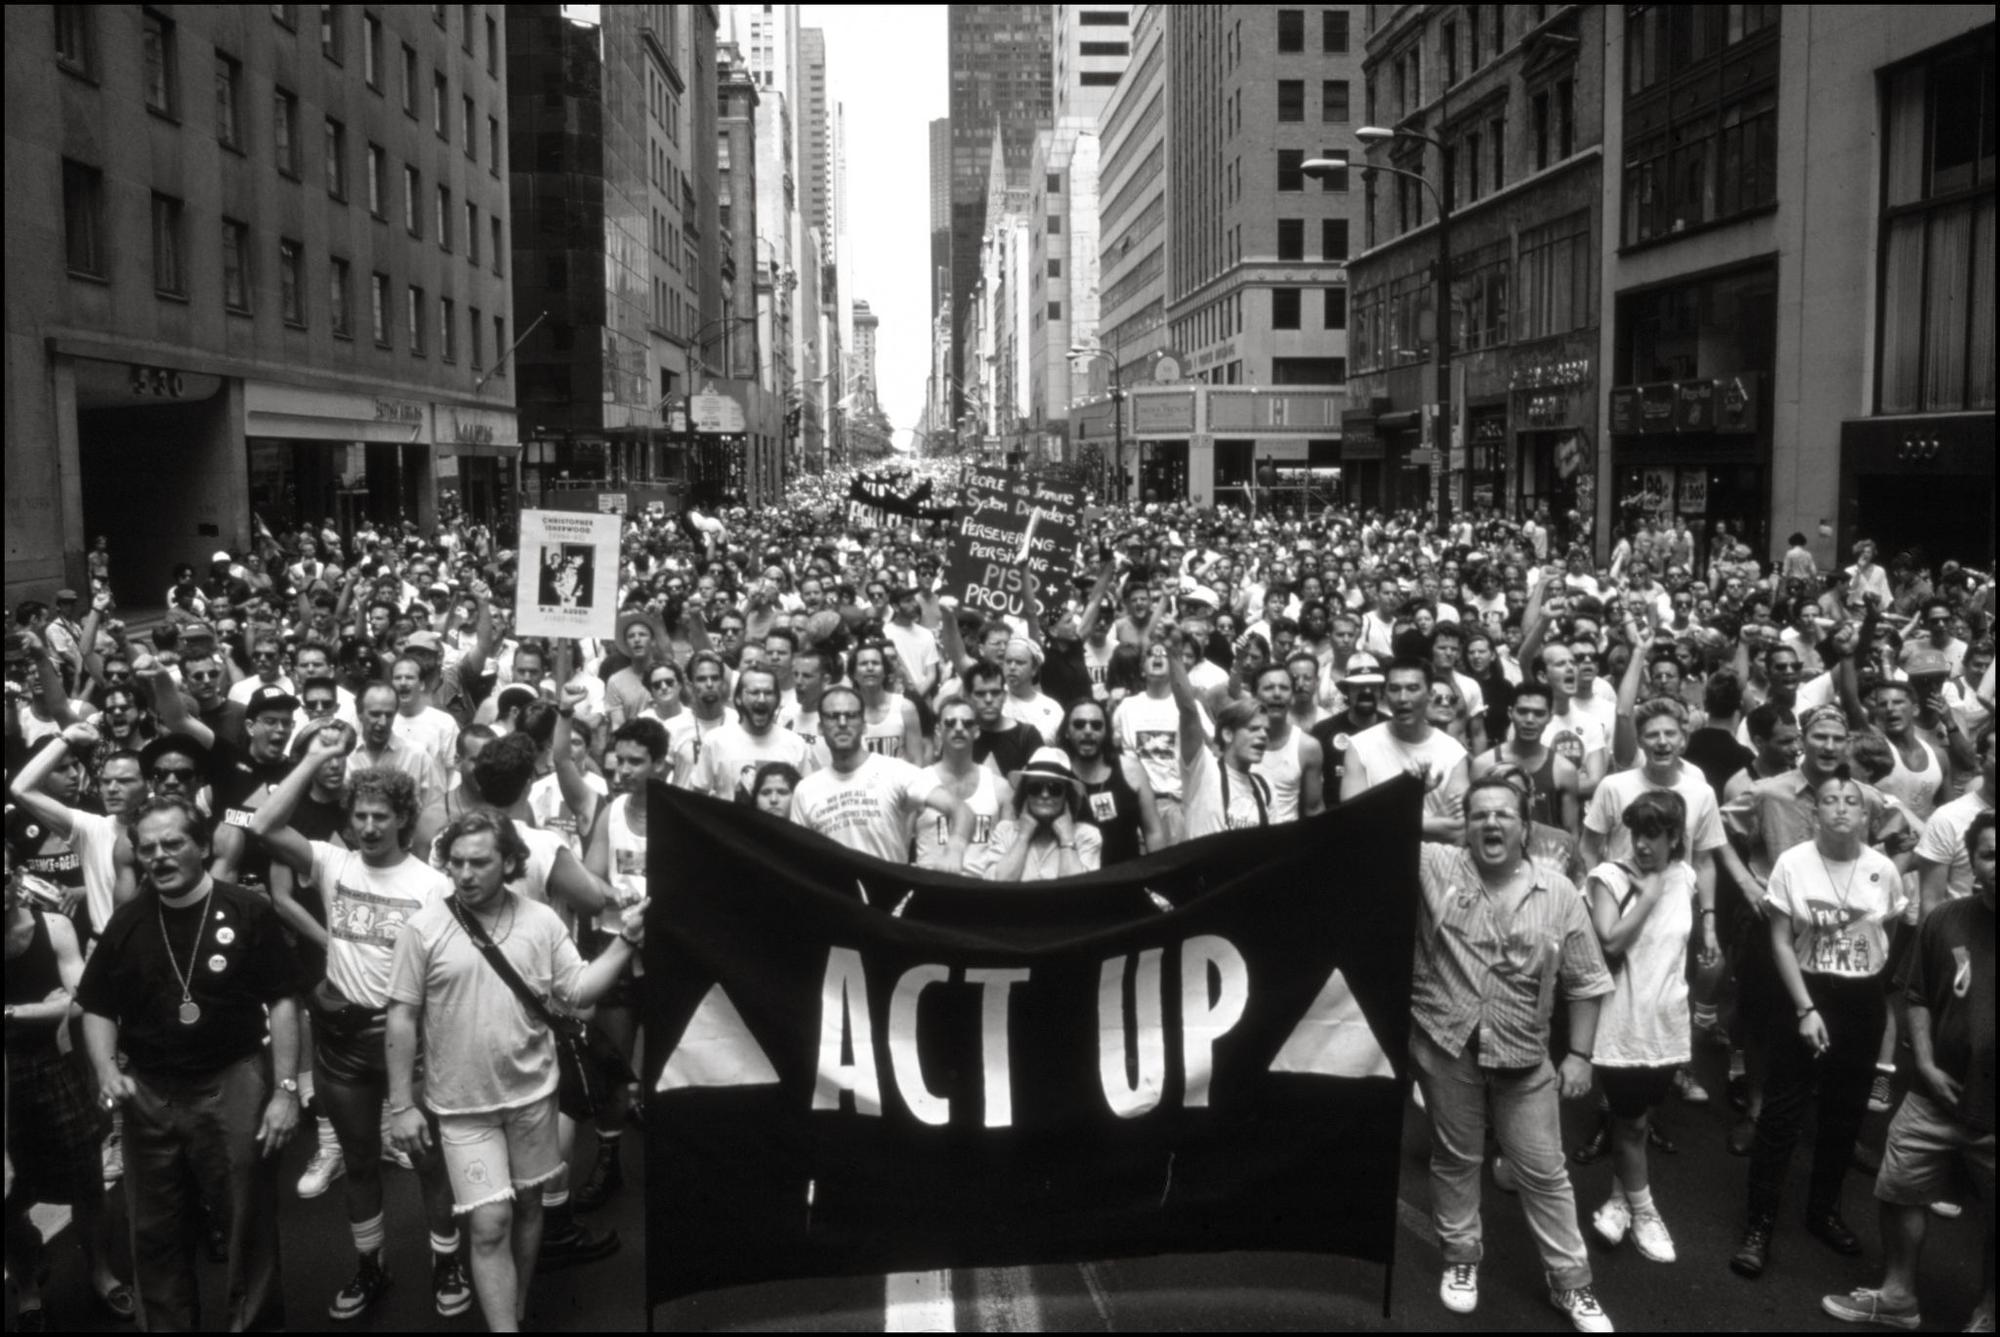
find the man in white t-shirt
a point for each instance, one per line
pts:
(916, 647)
(731, 754)
(1944, 864)
(1406, 743)
(1148, 727)
(870, 802)
(1576, 735)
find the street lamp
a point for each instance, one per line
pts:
(1081, 352)
(1321, 168)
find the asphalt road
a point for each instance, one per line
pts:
(1700, 1191)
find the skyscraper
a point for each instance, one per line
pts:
(815, 138)
(1002, 65)
(940, 209)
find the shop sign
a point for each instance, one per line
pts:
(1549, 375)
(1656, 489)
(1736, 403)
(409, 412)
(611, 503)
(1694, 406)
(716, 414)
(1694, 490)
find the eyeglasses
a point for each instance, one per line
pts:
(316, 707)
(214, 675)
(1086, 726)
(173, 773)
(964, 725)
(662, 684)
(1045, 789)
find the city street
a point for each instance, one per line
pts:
(1700, 1191)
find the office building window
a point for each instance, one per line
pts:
(1335, 315)
(1055, 268)
(492, 48)
(1055, 310)
(447, 329)
(1540, 108)
(1291, 30)
(1553, 294)
(500, 345)
(477, 336)
(285, 131)
(235, 266)
(1448, 50)
(493, 222)
(1333, 238)
(417, 320)
(377, 186)
(76, 39)
(1052, 182)
(1710, 151)
(329, 33)
(1480, 297)
(162, 78)
(441, 105)
(410, 81)
(1291, 239)
(466, 13)
(291, 281)
(1289, 176)
(1333, 31)
(371, 51)
(169, 260)
(493, 145)
(1291, 100)
(469, 120)
(338, 298)
(471, 232)
(378, 298)
(444, 218)
(1055, 225)
(1284, 308)
(336, 159)
(1333, 109)
(413, 191)
(1937, 279)
(83, 219)
(228, 102)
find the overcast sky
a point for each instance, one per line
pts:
(886, 63)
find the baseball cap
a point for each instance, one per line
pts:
(423, 640)
(1924, 661)
(1363, 670)
(220, 556)
(65, 596)
(1201, 594)
(270, 697)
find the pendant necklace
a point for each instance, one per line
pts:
(190, 1011)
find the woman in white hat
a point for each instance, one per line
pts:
(1043, 840)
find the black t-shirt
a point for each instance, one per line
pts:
(238, 786)
(1951, 974)
(1718, 756)
(1332, 734)
(240, 964)
(1010, 748)
(42, 852)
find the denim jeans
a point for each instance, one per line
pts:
(191, 1142)
(1526, 1119)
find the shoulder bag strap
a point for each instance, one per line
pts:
(501, 965)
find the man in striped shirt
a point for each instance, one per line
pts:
(1499, 933)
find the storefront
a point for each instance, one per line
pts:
(1554, 469)
(1921, 484)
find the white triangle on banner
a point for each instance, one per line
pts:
(716, 1049)
(1333, 1038)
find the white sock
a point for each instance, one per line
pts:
(329, 1141)
(1640, 1200)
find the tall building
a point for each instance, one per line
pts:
(1001, 66)
(815, 126)
(257, 269)
(613, 249)
(1091, 46)
(1798, 279)
(1132, 208)
(769, 38)
(740, 358)
(865, 385)
(1515, 99)
(940, 212)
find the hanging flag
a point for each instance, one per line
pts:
(860, 1067)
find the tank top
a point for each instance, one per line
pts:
(1280, 767)
(1917, 789)
(628, 856)
(31, 977)
(934, 828)
(885, 738)
(1544, 796)
(1112, 806)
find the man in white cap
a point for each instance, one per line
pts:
(1361, 686)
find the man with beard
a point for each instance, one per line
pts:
(732, 753)
(208, 1106)
(1117, 797)
(1362, 688)
(870, 801)
(1406, 743)
(1292, 760)
(707, 676)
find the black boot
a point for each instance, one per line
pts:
(1595, 1145)
(607, 1173)
(1754, 1253)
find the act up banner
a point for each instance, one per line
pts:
(862, 1068)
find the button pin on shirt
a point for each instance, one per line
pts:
(1961, 979)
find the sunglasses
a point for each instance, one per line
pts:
(961, 724)
(662, 684)
(1045, 789)
(317, 706)
(173, 773)
(1086, 726)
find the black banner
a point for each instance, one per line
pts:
(874, 498)
(859, 1068)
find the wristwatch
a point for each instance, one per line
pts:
(290, 1087)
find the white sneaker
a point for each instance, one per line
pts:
(1612, 1220)
(1950, 1211)
(1693, 1092)
(325, 1166)
(1650, 1237)
(1585, 1314)
(1460, 1288)
(114, 1159)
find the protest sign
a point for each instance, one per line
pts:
(1012, 536)
(863, 1067)
(567, 581)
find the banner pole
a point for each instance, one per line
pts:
(1388, 1279)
